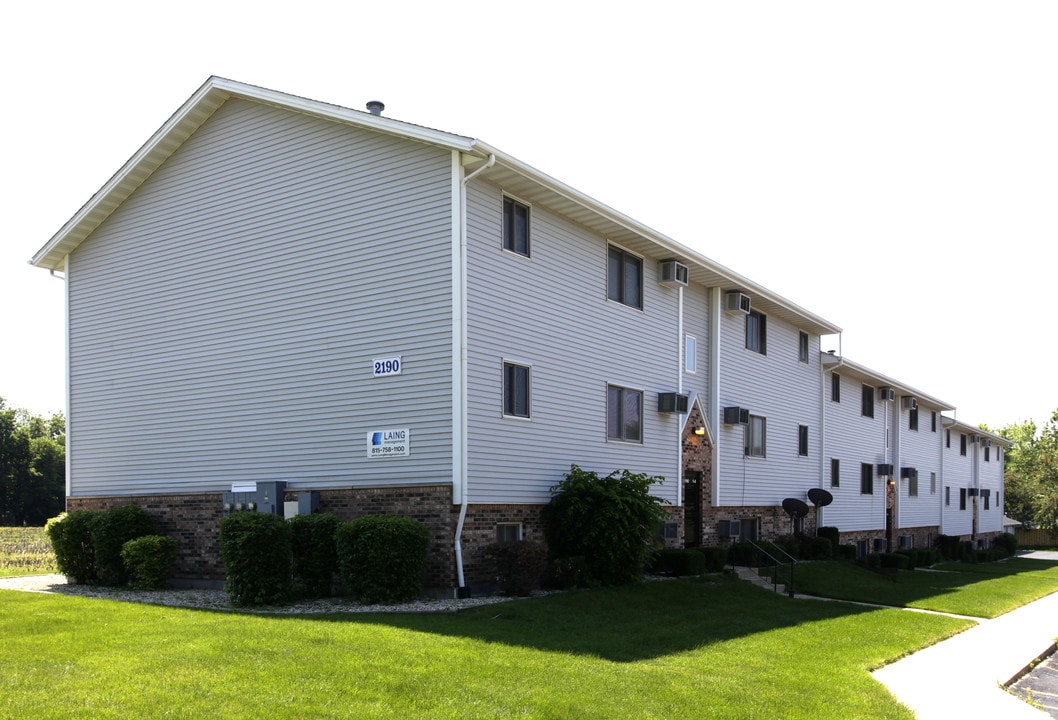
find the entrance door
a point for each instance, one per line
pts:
(692, 509)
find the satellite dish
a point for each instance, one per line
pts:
(820, 497)
(795, 508)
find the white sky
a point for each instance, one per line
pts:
(892, 167)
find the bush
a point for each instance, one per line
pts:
(256, 551)
(924, 557)
(609, 521)
(911, 555)
(744, 554)
(715, 558)
(71, 541)
(314, 553)
(846, 552)
(893, 561)
(817, 548)
(148, 560)
(1006, 542)
(678, 562)
(949, 547)
(569, 572)
(830, 533)
(111, 531)
(382, 558)
(520, 565)
(790, 544)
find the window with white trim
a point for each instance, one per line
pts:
(802, 347)
(866, 479)
(690, 354)
(624, 414)
(867, 401)
(835, 472)
(624, 277)
(756, 436)
(515, 226)
(757, 332)
(802, 440)
(508, 532)
(515, 390)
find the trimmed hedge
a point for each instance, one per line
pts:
(715, 558)
(520, 565)
(830, 533)
(1006, 542)
(315, 553)
(893, 561)
(382, 558)
(256, 551)
(110, 532)
(745, 554)
(678, 562)
(71, 541)
(148, 560)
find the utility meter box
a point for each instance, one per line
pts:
(264, 497)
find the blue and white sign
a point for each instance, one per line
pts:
(382, 367)
(388, 443)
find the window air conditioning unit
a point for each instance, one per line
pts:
(986, 493)
(910, 403)
(729, 528)
(909, 473)
(971, 492)
(886, 393)
(671, 402)
(672, 273)
(736, 415)
(885, 469)
(736, 302)
(975, 439)
(988, 443)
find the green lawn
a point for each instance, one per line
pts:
(25, 551)
(715, 648)
(980, 590)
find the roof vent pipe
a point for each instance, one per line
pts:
(375, 107)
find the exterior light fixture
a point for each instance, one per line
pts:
(699, 430)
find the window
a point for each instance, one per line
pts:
(987, 449)
(835, 472)
(624, 414)
(933, 483)
(933, 421)
(962, 498)
(757, 332)
(947, 438)
(515, 226)
(912, 486)
(999, 505)
(947, 496)
(867, 402)
(802, 347)
(690, 359)
(912, 419)
(962, 444)
(756, 440)
(624, 282)
(835, 388)
(986, 499)
(515, 390)
(866, 479)
(508, 532)
(802, 440)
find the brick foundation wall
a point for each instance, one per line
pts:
(479, 531)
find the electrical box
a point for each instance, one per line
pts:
(264, 497)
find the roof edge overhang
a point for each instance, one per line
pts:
(950, 423)
(882, 380)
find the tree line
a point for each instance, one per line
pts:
(1031, 481)
(32, 466)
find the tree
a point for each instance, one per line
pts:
(1031, 481)
(32, 466)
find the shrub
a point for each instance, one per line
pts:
(790, 544)
(715, 558)
(71, 541)
(924, 557)
(911, 555)
(949, 547)
(569, 572)
(148, 560)
(678, 562)
(382, 558)
(256, 551)
(1006, 542)
(609, 521)
(830, 533)
(744, 554)
(847, 551)
(817, 548)
(892, 561)
(520, 565)
(111, 531)
(314, 553)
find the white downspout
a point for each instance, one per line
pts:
(714, 390)
(681, 345)
(823, 370)
(459, 351)
(66, 370)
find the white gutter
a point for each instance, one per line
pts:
(681, 345)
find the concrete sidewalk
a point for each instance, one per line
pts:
(964, 675)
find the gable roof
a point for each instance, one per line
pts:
(844, 365)
(494, 165)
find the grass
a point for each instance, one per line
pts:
(981, 590)
(25, 551)
(714, 648)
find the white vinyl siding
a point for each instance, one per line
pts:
(553, 312)
(921, 450)
(776, 386)
(224, 318)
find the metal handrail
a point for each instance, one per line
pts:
(775, 575)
